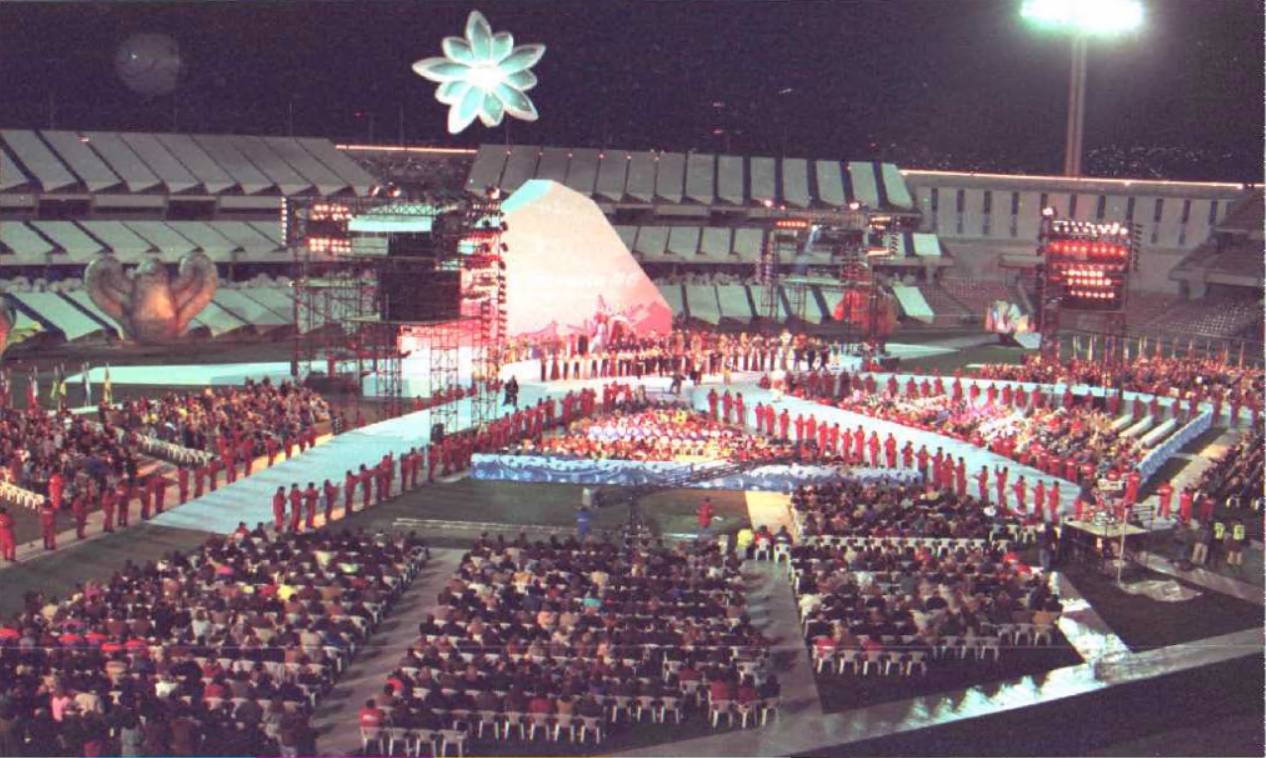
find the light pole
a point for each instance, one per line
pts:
(1082, 19)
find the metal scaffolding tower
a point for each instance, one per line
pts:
(342, 332)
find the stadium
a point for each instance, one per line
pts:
(524, 441)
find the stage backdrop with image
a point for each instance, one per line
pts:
(568, 272)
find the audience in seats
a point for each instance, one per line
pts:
(889, 510)
(566, 633)
(218, 418)
(1235, 480)
(225, 651)
(896, 605)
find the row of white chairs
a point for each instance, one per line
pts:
(862, 661)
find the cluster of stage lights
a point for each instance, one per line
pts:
(331, 245)
(330, 212)
(1092, 250)
(1089, 282)
(1089, 229)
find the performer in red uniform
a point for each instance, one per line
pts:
(713, 399)
(270, 448)
(296, 504)
(229, 463)
(279, 508)
(55, 487)
(246, 452)
(213, 473)
(107, 509)
(890, 450)
(1184, 504)
(1000, 482)
(982, 483)
(366, 484)
(1132, 484)
(923, 461)
(79, 509)
(8, 545)
(158, 491)
(143, 493)
(310, 498)
(1021, 490)
(349, 493)
(784, 422)
(1052, 502)
(1165, 493)
(1039, 497)
(907, 455)
(125, 496)
(331, 495)
(48, 524)
(182, 483)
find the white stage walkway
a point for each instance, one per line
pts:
(250, 500)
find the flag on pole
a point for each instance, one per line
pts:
(107, 389)
(33, 391)
(86, 374)
(61, 387)
(1090, 349)
(54, 386)
(1240, 363)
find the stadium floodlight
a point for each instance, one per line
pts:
(1083, 19)
(1091, 17)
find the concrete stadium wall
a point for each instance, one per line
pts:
(980, 217)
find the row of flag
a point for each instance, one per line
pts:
(58, 389)
(1085, 347)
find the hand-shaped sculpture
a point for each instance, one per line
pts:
(150, 306)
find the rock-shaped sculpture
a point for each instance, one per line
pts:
(149, 305)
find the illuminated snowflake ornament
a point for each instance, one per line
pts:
(483, 75)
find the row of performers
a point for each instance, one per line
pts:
(657, 361)
(822, 384)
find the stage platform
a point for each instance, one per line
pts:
(415, 371)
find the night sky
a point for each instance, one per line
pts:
(933, 83)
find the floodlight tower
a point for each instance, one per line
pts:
(1082, 19)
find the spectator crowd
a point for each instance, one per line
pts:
(224, 651)
(565, 635)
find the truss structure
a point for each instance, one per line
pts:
(341, 337)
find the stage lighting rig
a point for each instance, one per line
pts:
(1087, 264)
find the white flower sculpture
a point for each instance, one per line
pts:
(483, 75)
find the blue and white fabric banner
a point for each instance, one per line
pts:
(771, 478)
(1157, 456)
